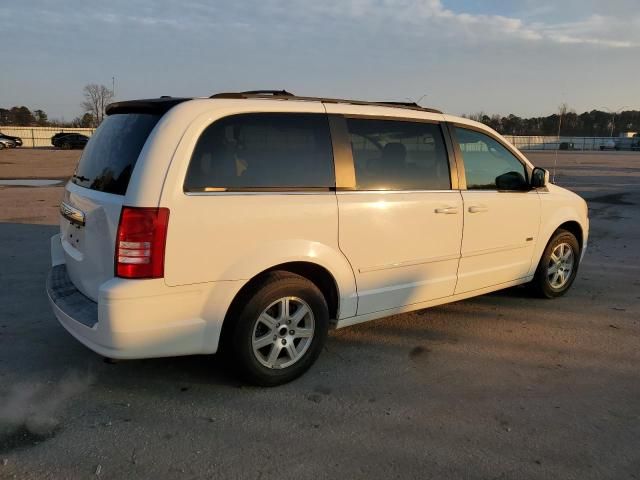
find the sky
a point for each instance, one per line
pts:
(497, 56)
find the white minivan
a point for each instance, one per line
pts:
(256, 221)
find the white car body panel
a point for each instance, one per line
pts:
(387, 252)
(265, 230)
(89, 250)
(559, 206)
(390, 240)
(347, 322)
(500, 234)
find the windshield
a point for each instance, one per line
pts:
(110, 156)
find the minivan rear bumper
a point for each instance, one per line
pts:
(132, 318)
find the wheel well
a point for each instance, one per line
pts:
(575, 228)
(320, 276)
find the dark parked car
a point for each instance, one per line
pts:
(17, 141)
(6, 143)
(68, 141)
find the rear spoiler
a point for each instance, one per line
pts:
(157, 106)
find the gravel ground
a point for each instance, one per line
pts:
(34, 205)
(500, 386)
(38, 163)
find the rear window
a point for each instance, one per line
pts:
(263, 151)
(108, 159)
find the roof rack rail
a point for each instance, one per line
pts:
(254, 93)
(284, 95)
(402, 104)
(274, 93)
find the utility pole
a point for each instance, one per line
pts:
(562, 110)
(613, 120)
(113, 86)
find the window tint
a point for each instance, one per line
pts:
(485, 159)
(108, 159)
(261, 151)
(396, 155)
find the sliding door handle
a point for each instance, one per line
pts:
(478, 209)
(447, 210)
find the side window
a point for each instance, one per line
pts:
(485, 159)
(263, 150)
(398, 155)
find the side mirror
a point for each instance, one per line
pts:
(511, 181)
(539, 177)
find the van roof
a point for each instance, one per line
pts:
(163, 104)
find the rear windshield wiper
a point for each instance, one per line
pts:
(80, 177)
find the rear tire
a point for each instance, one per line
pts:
(558, 266)
(280, 329)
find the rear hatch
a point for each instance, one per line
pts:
(94, 197)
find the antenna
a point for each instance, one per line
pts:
(417, 102)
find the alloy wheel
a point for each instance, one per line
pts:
(283, 332)
(560, 265)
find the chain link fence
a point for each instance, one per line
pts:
(535, 142)
(39, 137)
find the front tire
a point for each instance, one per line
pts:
(280, 330)
(558, 266)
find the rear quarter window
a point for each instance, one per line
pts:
(263, 151)
(111, 155)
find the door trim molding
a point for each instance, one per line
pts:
(476, 253)
(407, 263)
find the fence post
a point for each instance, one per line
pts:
(33, 140)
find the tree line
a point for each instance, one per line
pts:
(23, 116)
(96, 98)
(595, 123)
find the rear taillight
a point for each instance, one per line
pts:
(140, 242)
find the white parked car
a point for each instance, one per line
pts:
(257, 221)
(608, 144)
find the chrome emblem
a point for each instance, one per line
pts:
(75, 216)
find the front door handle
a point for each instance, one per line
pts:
(447, 210)
(478, 209)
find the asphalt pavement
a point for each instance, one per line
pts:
(500, 386)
